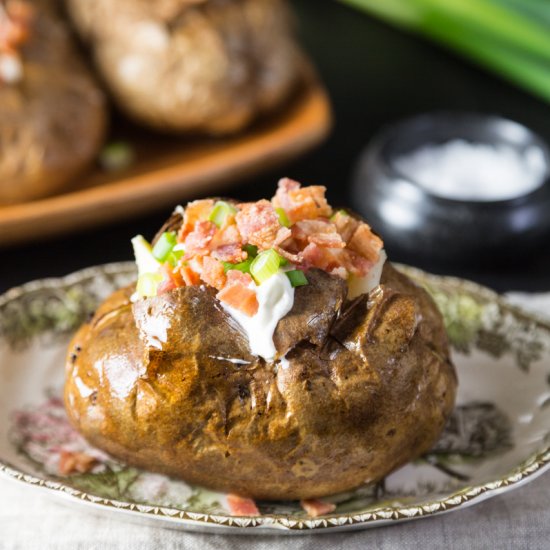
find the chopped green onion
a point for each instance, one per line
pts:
(221, 211)
(283, 261)
(242, 266)
(174, 257)
(264, 265)
(509, 37)
(117, 155)
(164, 246)
(283, 218)
(297, 278)
(148, 283)
(251, 250)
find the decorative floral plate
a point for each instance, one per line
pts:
(497, 438)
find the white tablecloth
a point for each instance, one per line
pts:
(517, 520)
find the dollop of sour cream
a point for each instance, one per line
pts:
(275, 300)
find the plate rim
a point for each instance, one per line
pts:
(533, 466)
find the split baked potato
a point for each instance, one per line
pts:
(206, 66)
(356, 388)
(52, 112)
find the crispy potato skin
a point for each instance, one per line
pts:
(207, 66)
(53, 121)
(154, 385)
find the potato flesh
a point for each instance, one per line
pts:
(369, 395)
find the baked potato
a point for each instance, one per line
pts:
(52, 112)
(173, 382)
(207, 66)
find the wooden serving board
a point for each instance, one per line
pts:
(169, 169)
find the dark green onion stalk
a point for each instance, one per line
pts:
(510, 37)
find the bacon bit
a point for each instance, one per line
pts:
(195, 211)
(327, 240)
(310, 202)
(331, 259)
(197, 242)
(366, 243)
(230, 253)
(315, 508)
(284, 187)
(301, 203)
(241, 506)
(236, 277)
(75, 462)
(166, 286)
(227, 235)
(172, 273)
(241, 298)
(15, 29)
(327, 259)
(20, 11)
(295, 258)
(345, 225)
(213, 273)
(237, 294)
(356, 264)
(172, 280)
(303, 229)
(189, 276)
(15, 25)
(258, 223)
(319, 232)
(291, 249)
(283, 234)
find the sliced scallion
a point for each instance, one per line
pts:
(164, 246)
(251, 250)
(297, 277)
(220, 212)
(116, 156)
(265, 265)
(283, 218)
(174, 257)
(242, 266)
(509, 37)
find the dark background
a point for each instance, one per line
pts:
(375, 75)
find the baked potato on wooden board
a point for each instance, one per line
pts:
(209, 66)
(170, 169)
(53, 114)
(170, 378)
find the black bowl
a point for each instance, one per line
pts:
(417, 224)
